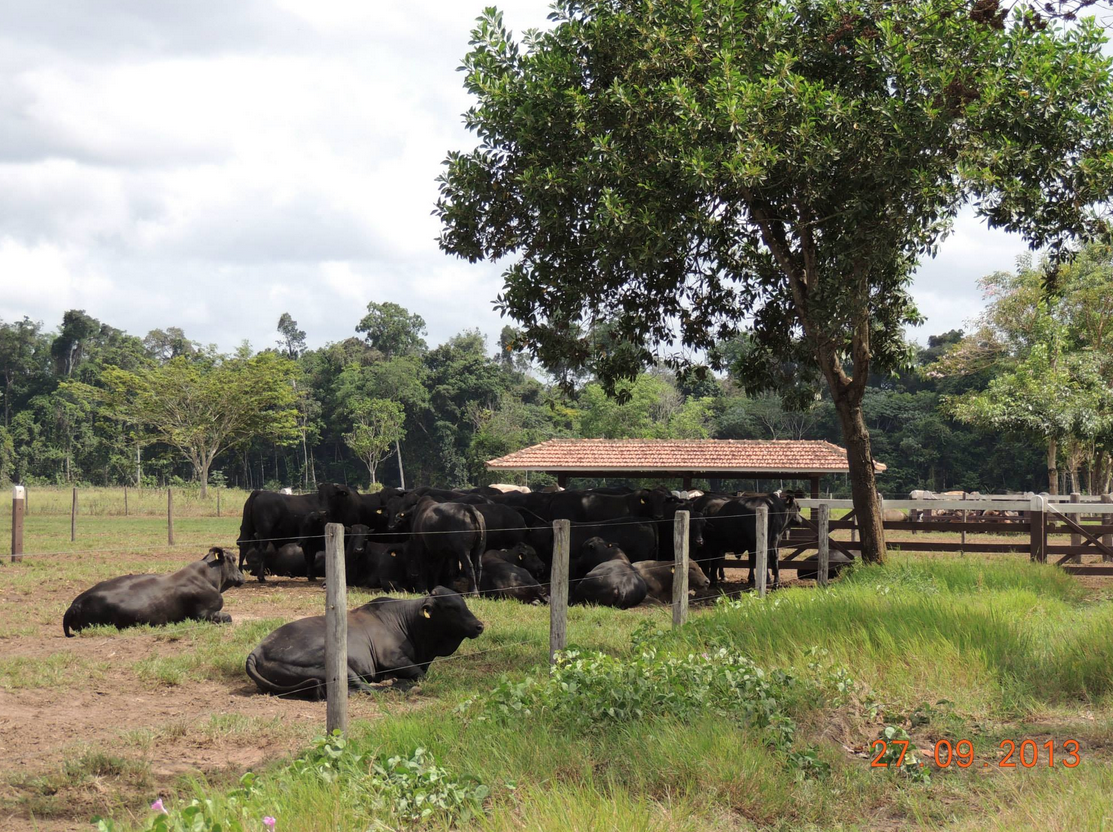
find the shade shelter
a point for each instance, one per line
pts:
(684, 459)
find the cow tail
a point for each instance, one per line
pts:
(247, 528)
(480, 546)
(265, 684)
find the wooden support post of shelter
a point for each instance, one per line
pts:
(558, 588)
(1076, 539)
(761, 550)
(680, 568)
(19, 499)
(336, 631)
(170, 516)
(73, 517)
(824, 557)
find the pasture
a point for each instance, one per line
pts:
(985, 648)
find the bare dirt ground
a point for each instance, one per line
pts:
(76, 713)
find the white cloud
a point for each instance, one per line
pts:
(211, 165)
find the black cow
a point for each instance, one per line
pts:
(666, 545)
(588, 506)
(733, 528)
(613, 583)
(444, 535)
(523, 555)
(388, 638)
(383, 565)
(635, 536)
(271, 517)
(594, 551)
(504, 579)
(505, 526)
(659, 574)
(193, 592)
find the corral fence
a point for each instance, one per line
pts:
(1048, 529)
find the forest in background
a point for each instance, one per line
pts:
(89, 403)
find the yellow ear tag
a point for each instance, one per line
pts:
(425, 612)
(394, 554)
(378, 511)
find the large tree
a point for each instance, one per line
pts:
(204, 407)
(377, 427)
(686, 169)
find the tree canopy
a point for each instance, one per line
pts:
(687, 169)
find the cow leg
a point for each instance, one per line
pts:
(469, 571)
(355, 682)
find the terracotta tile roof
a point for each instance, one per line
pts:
(677, 455)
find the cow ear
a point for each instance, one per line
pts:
(218, 552)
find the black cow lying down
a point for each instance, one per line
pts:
(193, 592)
(388, 638)
(503, 578)
(612, 583)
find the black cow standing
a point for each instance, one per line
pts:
(444, 535)
(388, 638)
(733, 528)
(271, 517)
(193, 592)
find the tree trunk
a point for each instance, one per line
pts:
(863, 483)
(401, 473)
(1052, 466)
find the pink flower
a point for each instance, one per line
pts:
(269, 822)
(158, 807)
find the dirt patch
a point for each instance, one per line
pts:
(99, 736)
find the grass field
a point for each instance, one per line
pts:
(648, 735)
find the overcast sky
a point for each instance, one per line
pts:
(211, 164)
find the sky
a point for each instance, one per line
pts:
(213, 164)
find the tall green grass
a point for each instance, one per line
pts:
(997, 641)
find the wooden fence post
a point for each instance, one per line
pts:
(1106, 520)
(336, 630)
(680, 568)
(73, 518)
(761, 555)
(1038, 529)
(125, 501)
(218, 502)
(19, 499)
(558, 588)
(1076, 538)
(170, 516)
(824, 557)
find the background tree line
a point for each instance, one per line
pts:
(90, 403)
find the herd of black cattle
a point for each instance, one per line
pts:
(499, 543)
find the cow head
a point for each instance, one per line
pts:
(697, 579)
(230, 574)
(525, 556)
(340, 501)
(446, 611)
